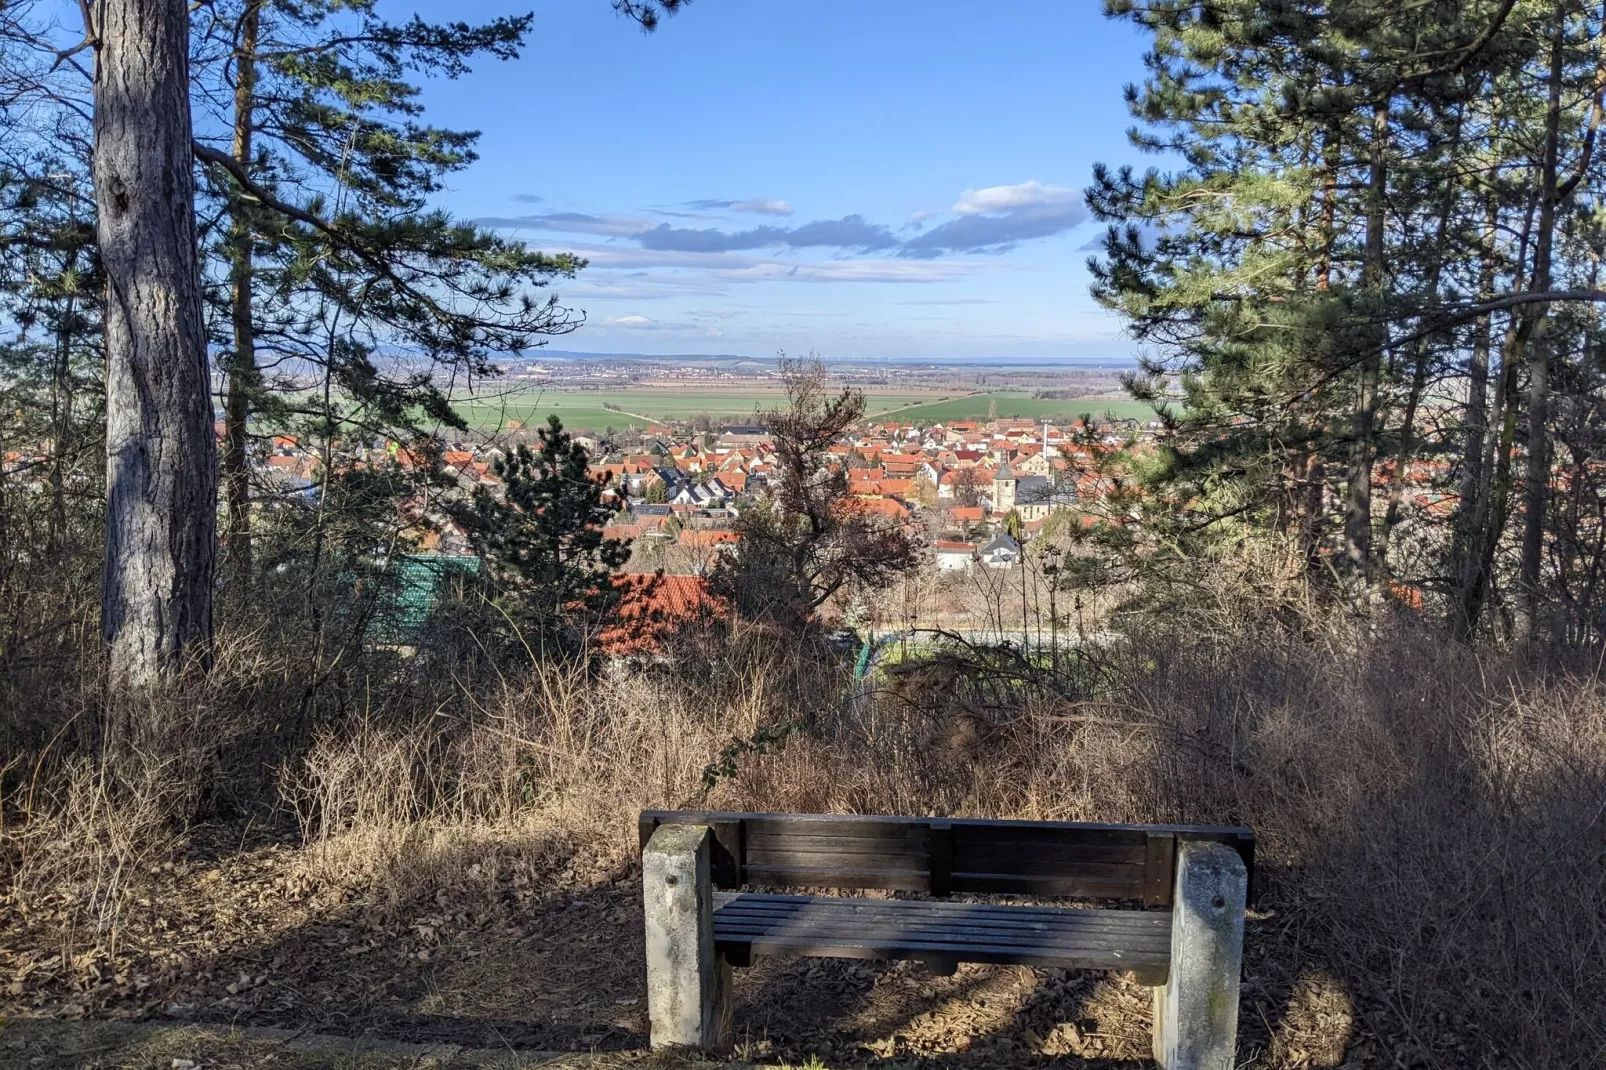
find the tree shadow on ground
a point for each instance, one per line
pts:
(877, 1013)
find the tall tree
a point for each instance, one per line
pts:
(1370, 196)
(320, 172)
(161, 469)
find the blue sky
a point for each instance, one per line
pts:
(867, 179)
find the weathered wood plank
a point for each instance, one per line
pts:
(1159, 867)
(903, 934)
(942, 931)
(723, 899)
(945, 855)
(703, 817)
(728, 922)
(994, 934)
(1151, 964)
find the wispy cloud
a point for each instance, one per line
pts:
(637, 322)
(849, 232)
(755, 205)
(527, 198)
(861, 270)
(613, 226)
(1033, 194)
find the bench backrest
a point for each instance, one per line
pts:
(945, 855)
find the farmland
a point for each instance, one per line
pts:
(1064, 410)
(637, 406)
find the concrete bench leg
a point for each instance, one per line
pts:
(1196, 1010)
(688, 982)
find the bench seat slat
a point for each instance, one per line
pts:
(1042, 958)
(770, 899)
(1001, 933)
(1033, 918)
(1146, 943)
(753, 924)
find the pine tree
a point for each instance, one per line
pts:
(1366, 218)
(812, 540)
(547, 560)
(327, 256)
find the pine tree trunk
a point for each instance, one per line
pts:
(1472, 512)
(1536, 496)
(242, 370)
(1363, 449)
(1419, 374)
(161, 460)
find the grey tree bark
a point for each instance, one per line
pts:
(161, 461)
(1363, 440)
(1537, 477)
(243, 375)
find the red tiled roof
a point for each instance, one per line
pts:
(706, 539)
(651, 607)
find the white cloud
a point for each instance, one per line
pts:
(633, 321)
(1031, 194)
(763, 206)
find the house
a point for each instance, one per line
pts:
(953, 556)
(1033, 461)
(743, 435)
(653, 608)
(1000, 552)
(709, 495)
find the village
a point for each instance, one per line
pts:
(975, 491)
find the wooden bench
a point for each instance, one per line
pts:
(700, 923)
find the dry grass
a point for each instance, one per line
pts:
(44, 1045)
(1433, 884)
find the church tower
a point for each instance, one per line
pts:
(1003, 489)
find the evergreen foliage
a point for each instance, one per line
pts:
(548, 560)
(1375, 263)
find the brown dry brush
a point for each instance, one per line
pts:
(1431, 818)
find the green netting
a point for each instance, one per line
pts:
(420, 582)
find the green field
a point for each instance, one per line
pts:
(977, 406)
(583, 409)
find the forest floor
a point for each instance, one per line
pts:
(238, 956)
